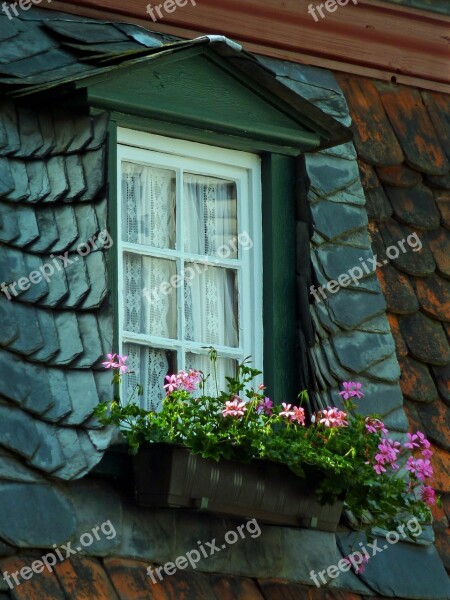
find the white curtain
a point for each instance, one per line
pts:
(210, 293)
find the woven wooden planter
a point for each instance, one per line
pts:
(169, 476)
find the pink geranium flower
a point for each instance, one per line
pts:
(265, 406)
(427, 494)
(351, 389)
(234, 408)
(299, 415)
(123, 368)
(286, 412)
(110, 363)
(412, 443)
(423, 469)
(333, 417)
(374, 425)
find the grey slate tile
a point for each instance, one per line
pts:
(30, 136)
(12, 264)
(350, 308)
(60, 390)
(82, 404)
(19, 175)
(19, 525)
(66, 226)
(96, 268)
(91, 454)
(50, 337)
(329, 175)
(380, 397)
(27, 224)
(49, 456)
(101, 209)
(48, 230)
(356, 239)
(87, 223)
(75, 175)
(78, 281)
(358, 351)
(25, 45)
(75, 462)
(39, 63)
(94, 170)
(396, 421)
(48, 133)
(100, 129)
(64, 130)
(12, 469)
(59, 184)
(69, 338)
(3, 136)
(346, 151)
(83, 132)
(141, 35)
(338, 260)
(334, 365)
(10, 330)
(6, 178)
(86, 32)
(9, 229)
(90, 337)
(38, 180)
(386, 370)
(31, 392)
(8, 29)
(18, 431)
(9, 119)
(378, 324)
(332, 220)
(385, 573)
(58, 288)
(30, 339)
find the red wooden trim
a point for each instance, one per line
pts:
(371, 38)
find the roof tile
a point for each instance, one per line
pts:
(399, 175)
(84, 579)
(414, 206)
(442, 376)
(433, 293)
(235, 588)
(414, 129)
(425, 339)
(443, 203)
(369, 178)
(439, 241)
(377, 204)
(419, 263)
(375, 140)
(400, 344)
(438, 106)
(398, 291)
(416, 381)
(37, 588)
(436, 422)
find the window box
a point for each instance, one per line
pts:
(171, 477)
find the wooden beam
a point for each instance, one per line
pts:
(371, 38)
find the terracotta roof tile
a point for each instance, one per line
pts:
(235, 588)
(398, 291)
(425, 339)
(416, 381)
(400, 344)
(414, 206)
(399, 175)
(438, 106)
(375, 140)
(419, 263)
(84, 578)
(443, 203)
(436, 422)
(411, 122)
(442, 377)
(433, 293)
(440, 245)
(39, 587)
(132, 582)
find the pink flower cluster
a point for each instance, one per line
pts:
(388, 451)
(234, 408)
(116, 361)
(420, 468)
(374, 425)
(182, 381)
(296, 414)
(352, 389)
(333, 417)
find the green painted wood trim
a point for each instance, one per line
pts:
(113, 258)
(203, 136)
(279, 289)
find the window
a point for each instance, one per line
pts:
(190, 259)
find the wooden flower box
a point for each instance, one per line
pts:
(169, 476)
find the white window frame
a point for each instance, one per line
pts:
(245, 168)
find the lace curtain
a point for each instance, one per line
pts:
(210, 294)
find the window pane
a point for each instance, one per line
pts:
(225, 367)
(210, 305)
(148, 205)
(148, 307)
(150, 367)
(210, 210)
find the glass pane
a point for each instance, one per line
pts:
(211, 305)
(148, 205)
(225, 367)
(150, 367)
(149, 298)
(210, 216)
